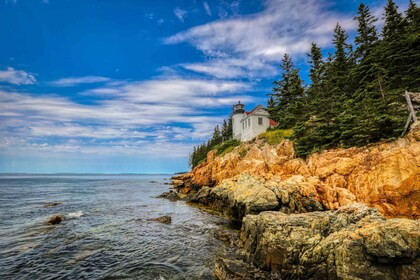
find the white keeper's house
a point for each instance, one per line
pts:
(248, 125)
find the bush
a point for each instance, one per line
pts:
(226, 147)
(275, 136)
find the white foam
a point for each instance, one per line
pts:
(76, 214)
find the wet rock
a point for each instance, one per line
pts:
(52, 204)
(164, 219)
(237, 269)
(201, 196)
(153, 182)
(228, 236)
(171, 195)
(54, 220)
(353, 242)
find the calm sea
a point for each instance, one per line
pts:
(106, 233)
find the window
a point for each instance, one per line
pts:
(260, 121)
(249, 122)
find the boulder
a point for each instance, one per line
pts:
(163, 219)
(242, 195)
(353, 242)
(171, 195)
(54, 220)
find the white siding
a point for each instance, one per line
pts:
(254, 129)
(237, 125)
(246, 127)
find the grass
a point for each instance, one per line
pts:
(226, 147)
(275, 136)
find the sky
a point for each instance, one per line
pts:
(130, 86)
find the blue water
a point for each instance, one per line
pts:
(106, 233)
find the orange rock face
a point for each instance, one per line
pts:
(385, 175)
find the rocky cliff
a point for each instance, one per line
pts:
(317, 218)
(385, 176)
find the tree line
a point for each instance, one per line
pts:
(220, 134)
(355, 94)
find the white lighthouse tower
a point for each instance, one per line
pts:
(237, 115)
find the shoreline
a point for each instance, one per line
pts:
(341, 214)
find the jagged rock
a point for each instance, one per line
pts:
(241, 195)
(171, 195)
(237, 269)
(201, 196)
(383, 175)
(246, 194)
(164, 219)
(54, 220)
(353, 242)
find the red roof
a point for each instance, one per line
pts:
(273, 122)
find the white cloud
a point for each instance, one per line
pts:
(74, 81)
(144, 117)
(207, 8)
(180, 13)
(16, 77)
(261, 39)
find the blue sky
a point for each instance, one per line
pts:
(130, 86)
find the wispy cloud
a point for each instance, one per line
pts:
(16, 77)
(207, 8)
(180, 13)
(141, 117)
(262, 38)
(74, 81)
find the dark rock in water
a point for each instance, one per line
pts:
(54, 220)
(171, 195)
(164, 219)
(52, 204)
(237, 269)
(228, 236)
(154, 182)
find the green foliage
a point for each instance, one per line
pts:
(356, 96)
(226, 147)
(288, 95)
(220, 135)
(275, 136)
(243, 152)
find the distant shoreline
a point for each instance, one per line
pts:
(85, 174)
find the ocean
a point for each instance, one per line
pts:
(107, 232)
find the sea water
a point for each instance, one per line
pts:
(107, 232)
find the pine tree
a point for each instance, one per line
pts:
(366, 31)
(411, 12)
(393, 21)
(287, 94)
(339, 74)
(316, 65)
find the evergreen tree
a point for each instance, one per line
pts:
(411, 12)
(287, 94)
(366, 31)
(393, 21)
(316, 65)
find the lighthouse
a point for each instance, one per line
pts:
(237, 115)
